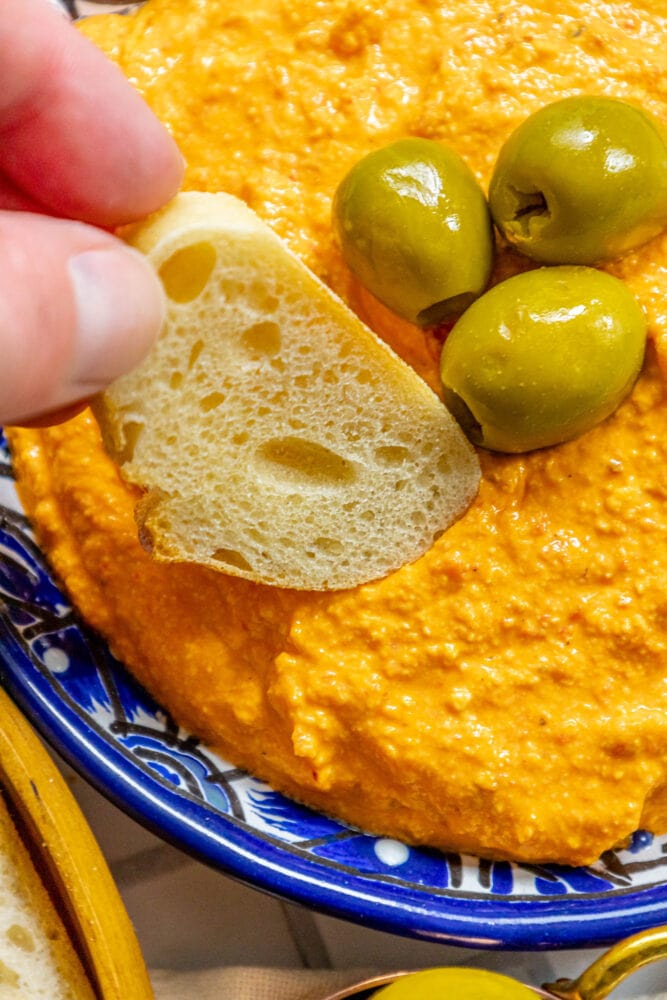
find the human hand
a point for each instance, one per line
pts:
(79, 150)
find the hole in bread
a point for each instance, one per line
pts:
(443, 464)
(130, 433)
(261, 298)
(297, 460)
(20, 937)
(231, 558)
(392, 454)
(210, 402)
(185, 274)
(329, 545)
(262, 339)
(8, 977)
(195, 351)
(176, 380)
(351, 431)
(231, 290)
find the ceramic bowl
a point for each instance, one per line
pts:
(86, 704)
(106, 726)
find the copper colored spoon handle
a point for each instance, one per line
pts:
(608, 971)
(361, 990)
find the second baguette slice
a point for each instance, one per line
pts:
(276, 436)
(37, 958)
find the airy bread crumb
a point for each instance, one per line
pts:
(37, 959)
(276, 436)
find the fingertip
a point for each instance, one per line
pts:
(54, 417)
(119, 309)
(78, 308)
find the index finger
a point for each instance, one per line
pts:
(74, 135)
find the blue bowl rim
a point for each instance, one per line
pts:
(511, 924)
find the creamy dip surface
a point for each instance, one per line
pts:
(507, 693)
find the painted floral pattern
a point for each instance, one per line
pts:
(87, 705)
(85, 702)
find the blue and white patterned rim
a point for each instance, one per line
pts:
(83, 8)
(85, 703)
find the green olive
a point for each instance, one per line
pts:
(462, 984)
(581, 181)
(542, 357)
(414, 227)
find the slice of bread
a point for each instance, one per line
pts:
(277, 437)
(37, 959)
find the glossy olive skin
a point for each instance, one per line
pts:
(455, 984)
(543, 357)
(581, 181)
(414, 227)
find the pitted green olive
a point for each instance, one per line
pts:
(455, 984)
(414, 227)
(581, 181)
(543, 357)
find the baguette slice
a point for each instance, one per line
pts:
(277, 438)
(37, 959)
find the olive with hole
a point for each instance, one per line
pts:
(414, 227)
(454, 982)
(582, 180)
(542, 357)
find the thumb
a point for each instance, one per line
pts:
(77, 309)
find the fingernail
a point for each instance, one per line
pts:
(119, 312)
(56, 5)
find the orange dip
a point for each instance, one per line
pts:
(506, 694)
